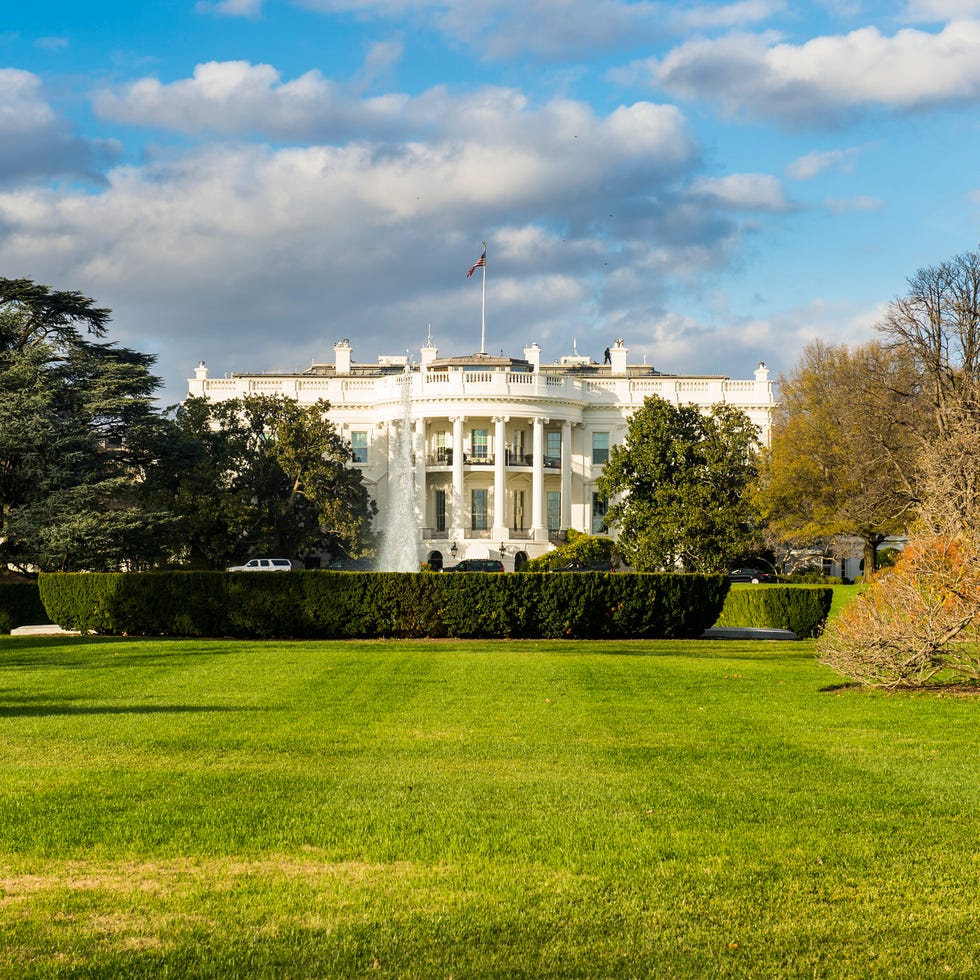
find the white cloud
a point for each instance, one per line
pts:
(557, 29)
(760, 75)
(939, 11)
(251, 256)
(493, 131)
(743, 192)
(810, 165)
(36, 143)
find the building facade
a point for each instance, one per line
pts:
(503, 453)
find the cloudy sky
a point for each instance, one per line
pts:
(248, 181)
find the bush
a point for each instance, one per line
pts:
(386, 604)
(20, 605)
(917, 620)
(802, 609)
(586, 548)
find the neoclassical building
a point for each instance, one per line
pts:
(503, 453)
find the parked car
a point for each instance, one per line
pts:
(586, 566)
(754, 575)
(263, 565)
(477, 565)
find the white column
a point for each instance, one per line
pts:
(538, 522)
(456, 520)
(499, 477)
(566, 475)
(420, 487)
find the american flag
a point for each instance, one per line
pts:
(480, 263)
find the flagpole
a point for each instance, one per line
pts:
(483, 321)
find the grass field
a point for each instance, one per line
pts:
(670, 809)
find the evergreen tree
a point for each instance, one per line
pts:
(678, 487)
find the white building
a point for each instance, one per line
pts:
(506, 451)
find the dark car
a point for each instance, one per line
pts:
(477, 565)
(586, 566)
(754, 575)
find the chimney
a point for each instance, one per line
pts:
(617, 357)
(532, 355)
(342, 352)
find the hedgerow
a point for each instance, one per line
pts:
(802, 609)
(337, 605)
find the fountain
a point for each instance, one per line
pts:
(399, 551)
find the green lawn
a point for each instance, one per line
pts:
(473, 809)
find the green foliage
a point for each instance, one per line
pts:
(389, 604)
(20, 605)
(586, 548)
(263, 475)
(803, 610)
(678, 487)
(77, 428)
(842, 456)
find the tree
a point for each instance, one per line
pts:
(679, 486)
(843, 453)
(263, 474)
(77, 424)
(937, 325)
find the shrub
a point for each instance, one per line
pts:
(916, 620)
(802, 609)
(586, 548)
(387, 604)
(20, 605)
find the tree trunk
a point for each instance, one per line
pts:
(871, 543)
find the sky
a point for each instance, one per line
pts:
(247, 182)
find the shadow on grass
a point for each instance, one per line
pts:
(36, 708)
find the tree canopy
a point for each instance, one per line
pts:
(77, 431)
(94, 475)
(842, 455)
(678, 486)
(264, 474)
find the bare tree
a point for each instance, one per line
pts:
(842, 460)
(937, 323)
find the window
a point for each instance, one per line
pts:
(599, 508)
(359, 444)
(478, 510)
(554, 510)
(443, 453)
(600, 448)
(519, 451)
(552, 450)
(518, 510)
(440, 510)
(479, 444)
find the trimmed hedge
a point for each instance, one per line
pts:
(20, 605)
(802, 609)
(337, 605)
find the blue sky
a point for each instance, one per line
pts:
(248, 181)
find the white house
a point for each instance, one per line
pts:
(505, 452)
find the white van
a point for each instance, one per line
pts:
(263, 565)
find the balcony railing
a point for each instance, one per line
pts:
(444, 457)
